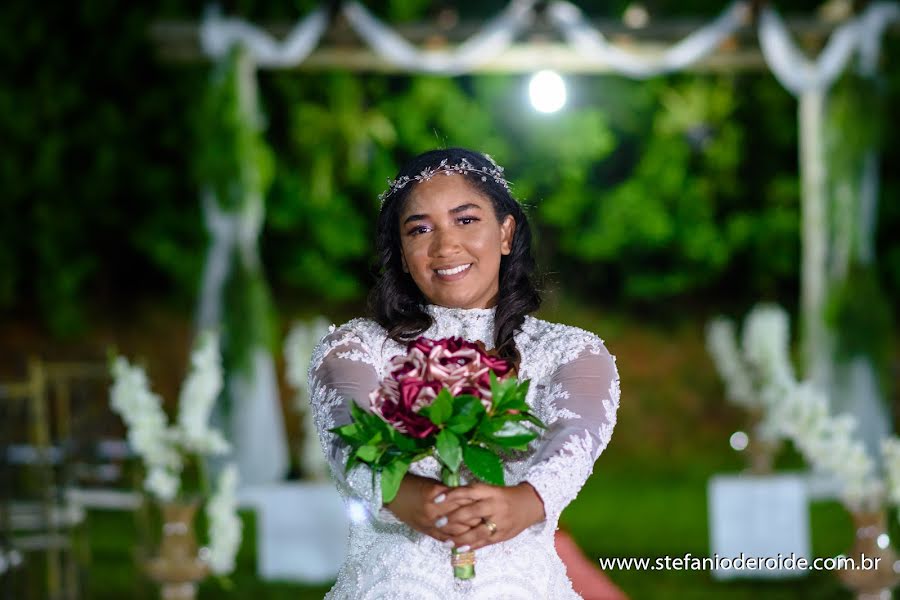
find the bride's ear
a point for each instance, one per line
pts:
(507, 232)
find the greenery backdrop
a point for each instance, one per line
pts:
(644, 194)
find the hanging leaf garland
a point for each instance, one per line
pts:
(236, 164)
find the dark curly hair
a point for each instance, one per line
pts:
(395, 301)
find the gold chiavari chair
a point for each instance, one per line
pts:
(37, 521)
(101, 473)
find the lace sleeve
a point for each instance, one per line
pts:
(343, 370)
(582, 400)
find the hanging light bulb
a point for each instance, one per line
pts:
(636, 15)
(547, 91)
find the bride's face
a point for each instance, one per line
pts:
(448, 224)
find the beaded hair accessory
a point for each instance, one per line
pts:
(463, 167)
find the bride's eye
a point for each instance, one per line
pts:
(416, 231)
(473, 219)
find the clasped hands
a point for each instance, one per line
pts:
(461, 516)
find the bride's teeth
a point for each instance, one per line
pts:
(454, 271)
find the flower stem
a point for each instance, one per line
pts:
(463, 562)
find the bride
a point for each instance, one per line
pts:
(455, 260)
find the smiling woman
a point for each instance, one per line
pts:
(455, 261)
(451, 243)
(417, 234)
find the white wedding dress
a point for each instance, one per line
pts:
(574, 390)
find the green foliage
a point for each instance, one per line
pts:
(233, 158)
(662, 226)
(857, 311)
(249, 317)
(236, 164)
(336, 154)
(859, 314)
(466, 435)
(855, 115)
(679, 186)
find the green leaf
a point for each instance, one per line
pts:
(350, 433)
(484, 464)
(391, 477)
(510, 429)
(523, 416)
(441, 408)
(351, 429)
(359, 415)
(468, 410)
(402, 441)
(502, 390)
(449, 449)
(367, 453)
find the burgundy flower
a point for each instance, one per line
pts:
(462, 367)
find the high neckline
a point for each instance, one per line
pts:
(436, 310)
(468, 323)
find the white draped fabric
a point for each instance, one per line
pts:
(491, 41)
(795, 72)
(590, 43)
(792, 69)
(218, 35)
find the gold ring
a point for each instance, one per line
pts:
(492, 527)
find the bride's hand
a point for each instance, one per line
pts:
(511, 509)
(422, 503)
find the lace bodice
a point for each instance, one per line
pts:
(574, 390)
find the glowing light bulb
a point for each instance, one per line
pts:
(739, 440)
(547, 91)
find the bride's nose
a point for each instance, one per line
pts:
(445, 243)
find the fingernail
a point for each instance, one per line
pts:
(440, 522)
(447, 544)
(463, 548)
(440, 498)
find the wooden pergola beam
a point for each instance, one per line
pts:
(540, 47)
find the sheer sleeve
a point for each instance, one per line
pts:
(580, 408)
(343, 370)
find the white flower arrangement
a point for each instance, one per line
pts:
(799, 411)
(298, 349)
(165, 449)
(225, 527)
(890, 450)
(743, 386)
(721, 343)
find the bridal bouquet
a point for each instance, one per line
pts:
(450, 399)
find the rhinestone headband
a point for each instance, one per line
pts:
(463, 167)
